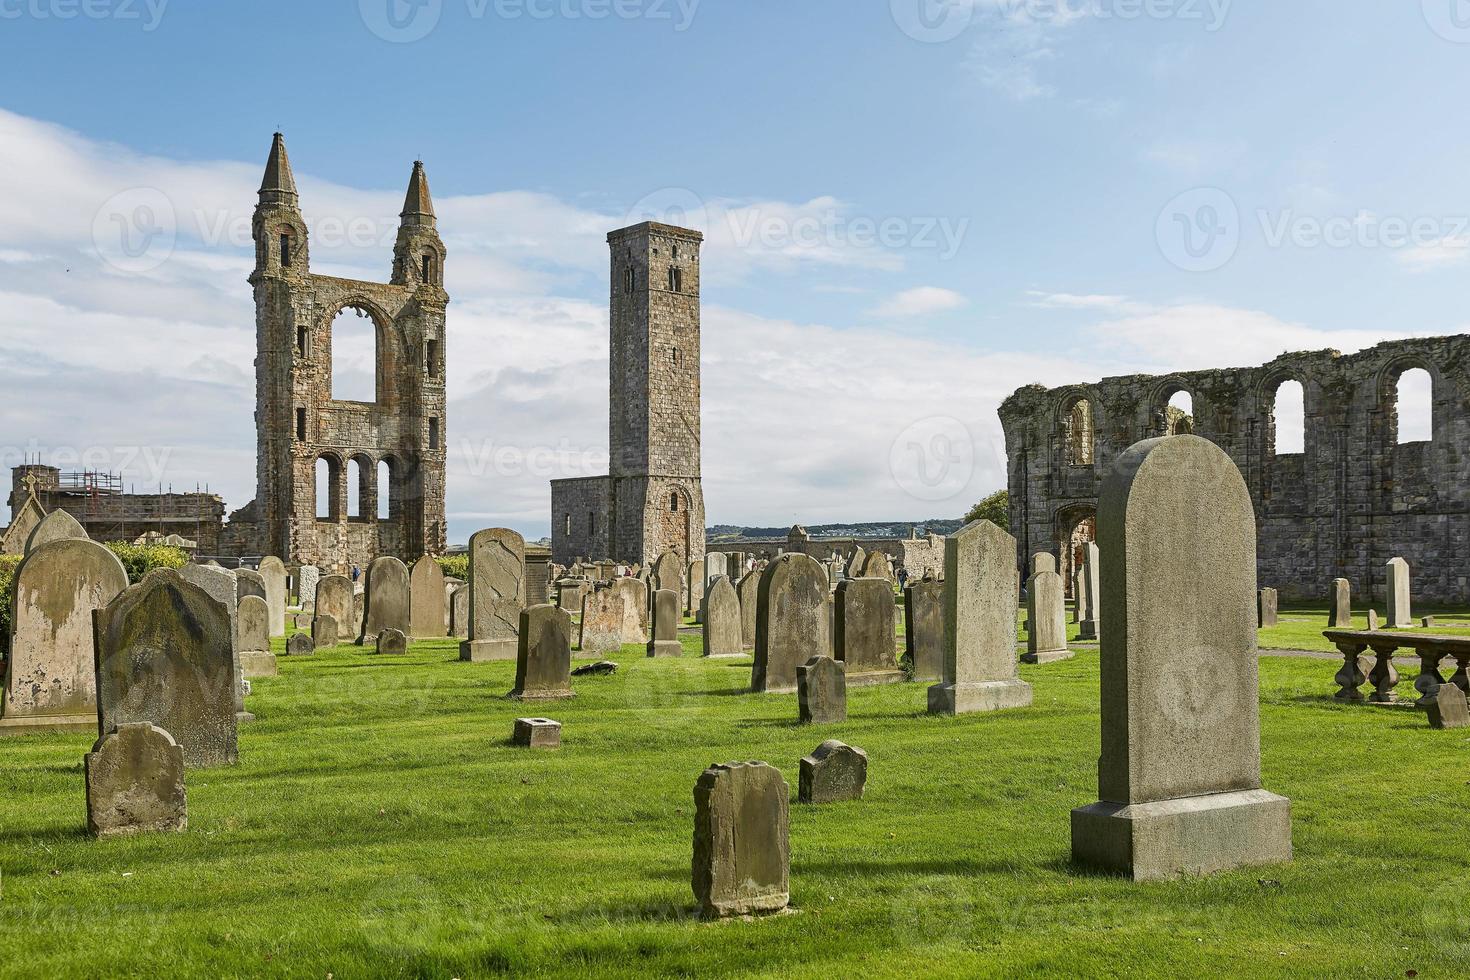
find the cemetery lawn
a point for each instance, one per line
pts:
(378, 824)
(1300, 627)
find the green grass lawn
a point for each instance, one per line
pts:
(378, 824)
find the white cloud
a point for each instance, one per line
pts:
(1449, 252)
(919, 301)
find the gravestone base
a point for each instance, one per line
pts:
(536, 733)
(1046, 656)
(256, 663)
(484, 651)
(41, 724)
(665, 648)
(1194, 835)
(243, 716)
(1087, 629)
(873, 678)
(960, 699)
(519, 695)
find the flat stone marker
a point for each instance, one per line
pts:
(742, 847)
(55, 526)
(497, 594)
(979, 624)
(923, 640)
(864, 631)
(1089, 589)
(833, 773)
(793, 621)
(1341, 616)
(749, 591)
(665, 639)
(392, 643)
(428, 611)
(459, 612)
(601, 630)
(721, 619)
(51, 676)
(272, 573)
(135, 783)
(334, 601)
(300, 645)
(324, 631)
(1267, 606)
(821, 692)
(1046, 614)
(1448, 709)
(385, 599)
(164, 657)
(536, 733)
(1179, 777)
(635, 608)
(252, 626)
(544, 654)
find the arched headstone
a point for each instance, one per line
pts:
(385, 599)
(793, 621)
(427, 608)
(497, 594)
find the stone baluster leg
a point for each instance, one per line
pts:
(1384, 677)
(1430, 679)
(1350, 677)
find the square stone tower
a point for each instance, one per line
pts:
(652, 500)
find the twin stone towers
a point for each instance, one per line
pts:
(650, 502)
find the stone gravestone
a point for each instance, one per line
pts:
(668, 573)
(864, 632)
(55, 526)
(428, 616)
(459, 613)
(1088, 589)
(1399, 616)
(602, 623)
(543, 654)
(135, 782)
(664, 637)
(222, 586)
(742, 846)
(635, 609)
(1341, 617)
(1179, 778)
(391, 642)
(570, 592)
(821, 692)
(875, 565)
(300, 645)
(1373, 623)
(715, 565)
(833, 773)
(497, 594)
(1266, 608)
(164, 656)
(923, 639)
(693, 590)
(793, 621)
(1043, 561)
(721, 620)
(979, 624)
(749, 591)
(1448, 708)
(307, 579)
(249, 582)
(334, 602)
(536, 733)
(51, 678)
(253, 635)
(1046, 615)
(272, 573)
(386, 599)
(854, 567)
(324, 631)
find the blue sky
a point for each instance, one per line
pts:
(1034, 167)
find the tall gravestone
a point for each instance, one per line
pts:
(923, 612)
(693, 590)
(875, 565)
(543, 654)
(864, 632)
(855, 561)
(1046, 615)
(221, 585)
(249, 582)
(50, 677)
(1179, 778)
(634, 594)
(1088, 592)
(334, 599)
(1342, 605)
(793, 621)
(721, 619)
(459, 613)
(272, 573)
(164, 657)
(1399, 616)
(307, 578)
(668, 573)
(742, 845)
(749, 591)
(979, 624)
(385, 599)
(664, 636)
(601, 629)
(497, 594)
(253, 638)
(1266, 608)
(428, 613)
(714, 566)
(1043, 561)
(55, 526)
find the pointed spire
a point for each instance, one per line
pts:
(417, 204)
(278, 180)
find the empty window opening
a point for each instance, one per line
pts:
(285, 248)
(325, 489)
(300, 341)
(354, 357)
(301, 425)
(676, 280)
(591, 522)
(674, 501)
(1415, 406)
(431, 358)
(355, 495)
(1079, 433)
(428, 267)
(629, 280)
(433, 433)
(1290, 418)
(385, 490)
(1179, 414)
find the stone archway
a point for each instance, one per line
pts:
(1074, 527)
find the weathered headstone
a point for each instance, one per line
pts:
(833, 773)
(793, 621)
(875, 565)
(385, 599)
(1448, 708)
(714, 566)
(664, 636)
(1399, 616)
(459, 613)
(272, 573)
(1266, 608)
(979, 624)
(693, 590)
(543, 654)
(1179, 778)
(721, 619)
(324, 631)
(635, 608)
(1089, 590)
(855, 563)
(602, 623)
(742, 846)
(923, 613)
(667, 573)
(1043, 561)
(864, 632)
(300, 645)
(334, 601)
(428, 615)
(1373, 622)
(749, 591)
(1046, 615)
(253, 634)
(536, 733)
(307, 579)
(164, 656)
(391, 642)
(570, 592)
(135, 782)
(50, 679)
(249, 582)
(821, 692)
(55, 526)
(222, 586)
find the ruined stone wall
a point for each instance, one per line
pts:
(124, 516)
(918, 555)
(581, 517)
(1352, 500)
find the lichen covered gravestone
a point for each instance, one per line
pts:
(459, 613)
(1179, 777)
(863, 631)
(497, 594)
(1046, 617)
(324, 631)
(875, 565)
(272, 573)
(334, 601)
(253, 635)
(1448, 709)
(923, 613)
(222, 586)
(742, 847)
(135, 782)
(386, 599)
(821, 692)
(55, 526)
(308, 577)
(248, 582)
(300, 645)
(721, 619)
(749, 590)
(544, 654)
(663, 638)
(792, 621)
(635, 608)
(392, 643)
(834, 772)
(428, 612)
(601, 629)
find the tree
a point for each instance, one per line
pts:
(995, 508)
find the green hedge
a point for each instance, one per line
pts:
(140, 559)
(8, 564)
(455, 566)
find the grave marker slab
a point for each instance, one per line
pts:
(721, 619)
(1046, 614)
(135, 783)
(742, 847)
(821, 692)
(664, 641)
(923, 612)
(601, 629)
(428, 612)
(793, 621)
(864, 632)
(497, 594)
(835, 772)
(543, 654)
